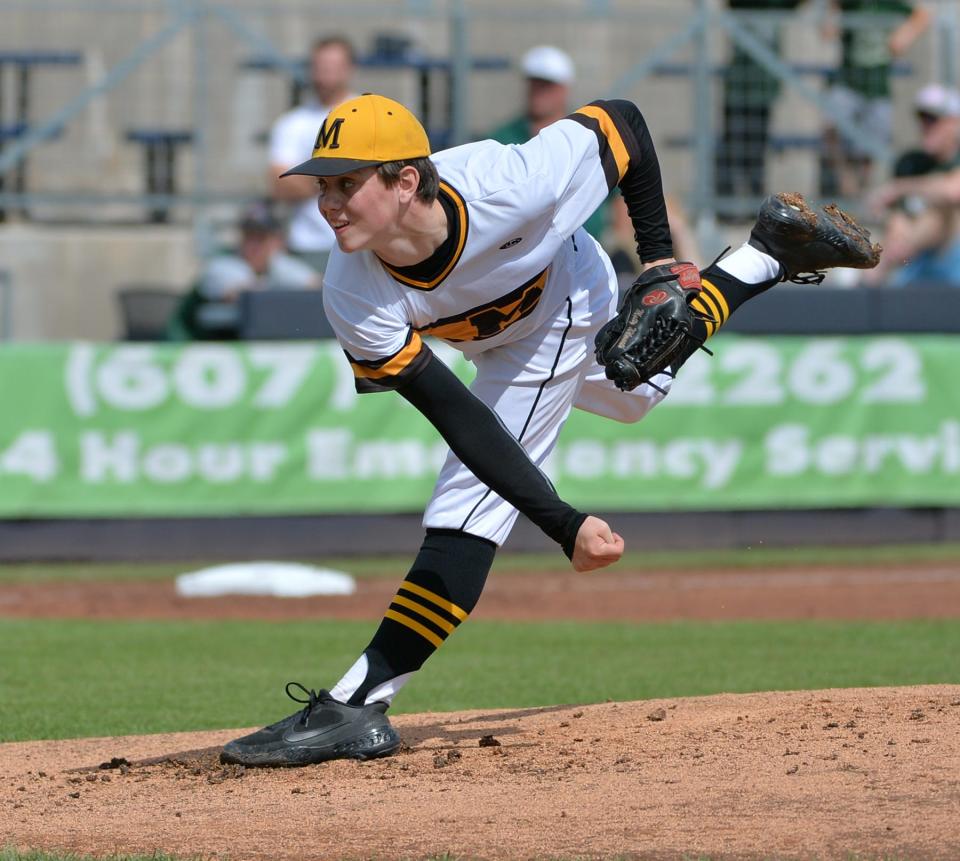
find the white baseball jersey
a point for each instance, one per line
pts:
(518, 287)
(512, 209)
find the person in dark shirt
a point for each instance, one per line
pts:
(548, 74)
(210, 311)
(919, 205)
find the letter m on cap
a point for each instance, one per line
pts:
(326, 135)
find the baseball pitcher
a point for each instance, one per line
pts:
(482, 246)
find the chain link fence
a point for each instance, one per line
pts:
(742, 95)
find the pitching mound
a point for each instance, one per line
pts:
(826, 774)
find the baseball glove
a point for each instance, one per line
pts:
(653, 328)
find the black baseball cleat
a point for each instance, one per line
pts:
(324, 729)
(807, 241)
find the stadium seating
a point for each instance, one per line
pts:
(267, 315)
(145, 311)
(160, 163)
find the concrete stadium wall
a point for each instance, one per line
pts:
(65, 276)
(238, 538)
(65, 279)
(94, 154)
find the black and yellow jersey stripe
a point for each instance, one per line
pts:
(491, 318)
(392, 371)
(629, 161)
(430, 273)
(617, 142)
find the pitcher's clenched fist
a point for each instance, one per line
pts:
(597, 546)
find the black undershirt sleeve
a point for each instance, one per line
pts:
(641, 186)
(476, 435)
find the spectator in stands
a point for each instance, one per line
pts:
(931, 171)
(921, 238)
(548, 74)
(332, 64)
(749, 92)
(920, 203)
(211, 309)
(870, 42)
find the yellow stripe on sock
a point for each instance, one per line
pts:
(439, 621)
(414, 625)
(699, 305)
(712, 308)
(718, 297)
(433, 598)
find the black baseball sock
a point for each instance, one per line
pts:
(440, 591)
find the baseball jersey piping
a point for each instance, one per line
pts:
(460, 228)
(533, 406)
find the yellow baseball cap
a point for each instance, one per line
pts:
(361, 132)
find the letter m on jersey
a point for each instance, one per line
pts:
(329, 138)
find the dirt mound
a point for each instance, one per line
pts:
(826, 774)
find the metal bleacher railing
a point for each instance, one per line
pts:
(22, 65)
(158, 103)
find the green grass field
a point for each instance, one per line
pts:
(140, 677)
(61, 679)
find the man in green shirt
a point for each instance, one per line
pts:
(548, 73)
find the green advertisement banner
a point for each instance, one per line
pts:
(209, 429)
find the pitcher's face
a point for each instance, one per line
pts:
(358, 206)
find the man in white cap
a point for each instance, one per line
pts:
(549, 74)
(919, 204)
(937, 110)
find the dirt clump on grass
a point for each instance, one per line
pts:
(826, 774)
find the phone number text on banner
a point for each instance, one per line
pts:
(211, 429)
